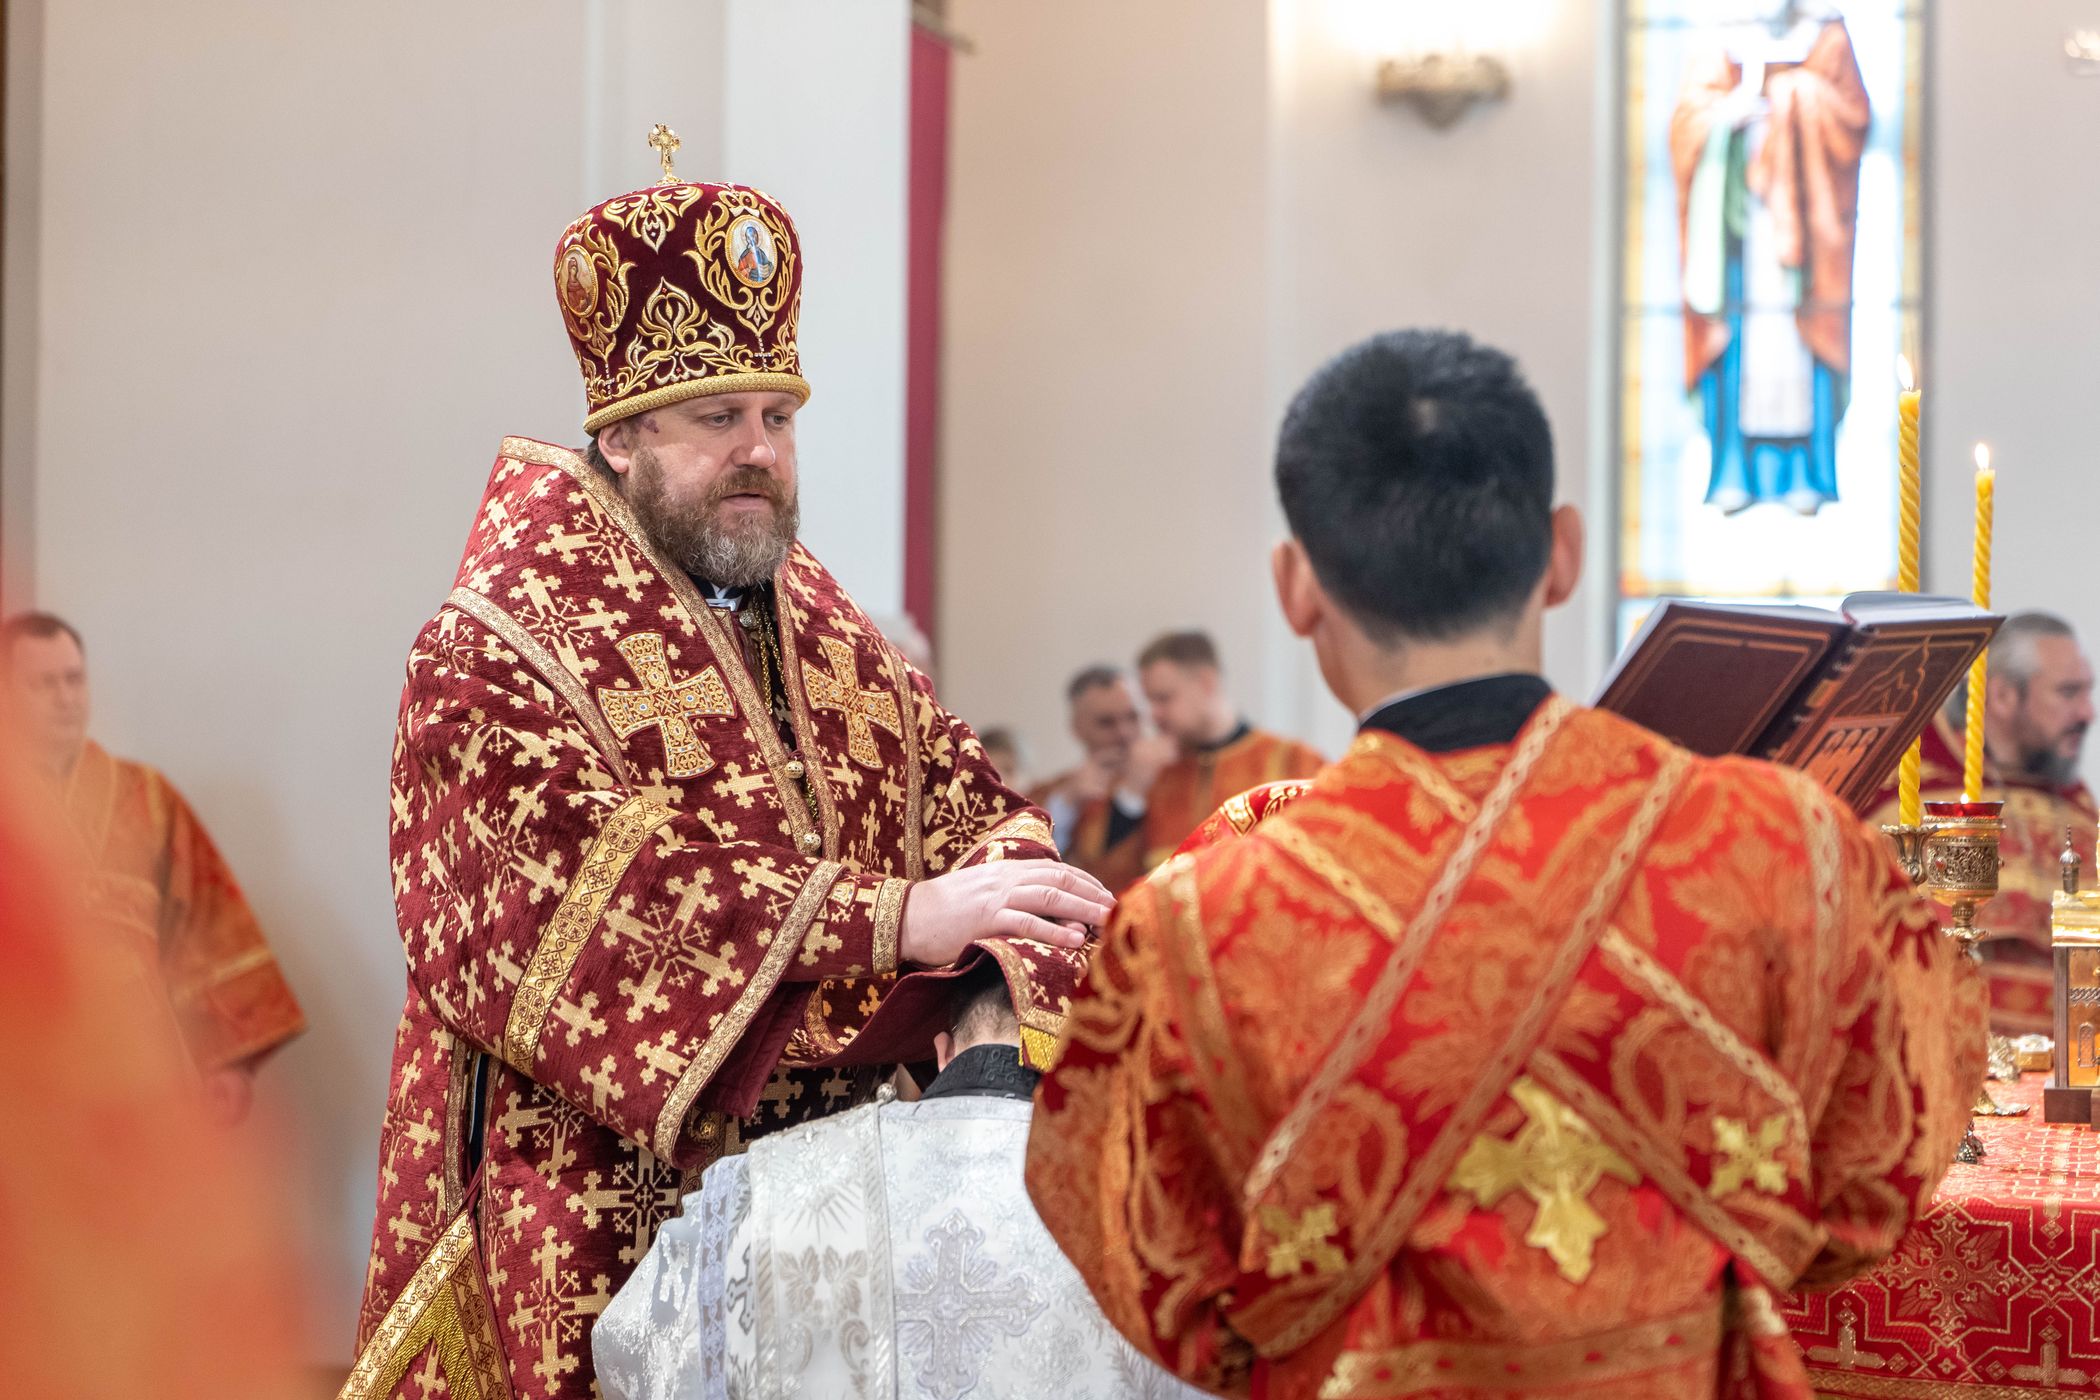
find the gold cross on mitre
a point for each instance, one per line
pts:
(840, 690)
(1555, 1158)
(666, 143)
(670, 709)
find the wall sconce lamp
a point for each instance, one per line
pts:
(1441, 86)
(2082, 48)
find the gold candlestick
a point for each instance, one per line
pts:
(1961, 872)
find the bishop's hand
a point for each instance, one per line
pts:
(1038, 899)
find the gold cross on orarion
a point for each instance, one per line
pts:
(1748, 1157)
(666, 143)
(840, 690)
(672, 709)
(1556, 1159)
(1306, 1240)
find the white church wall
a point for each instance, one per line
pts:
(1272, 212)
(1104, 413)
(2013, 348)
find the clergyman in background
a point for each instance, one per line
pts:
(160, 887)
(1098, 808)
(1221, 754)
(2037, 707)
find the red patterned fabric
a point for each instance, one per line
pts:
(1993, 1295)
(1516, 1070)
(680, 290)
(627, 894)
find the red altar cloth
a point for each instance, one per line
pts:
(1995, 1292)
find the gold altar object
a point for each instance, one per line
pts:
(1960, 867)
(2074, 942)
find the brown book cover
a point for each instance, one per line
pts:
(1836, 694)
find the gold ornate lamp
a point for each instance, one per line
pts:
(1960, 869)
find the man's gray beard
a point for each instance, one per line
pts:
(2051, 767)
(694, 539)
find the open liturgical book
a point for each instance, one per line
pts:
(1839, 695)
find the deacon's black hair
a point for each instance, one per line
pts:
(1417, 470)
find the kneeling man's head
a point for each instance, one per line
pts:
(980, 1012)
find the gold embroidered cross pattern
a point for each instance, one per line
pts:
(1556, 1159)
(672, 709)
(1306, 1240)
(1748, 1158)
(839, 689)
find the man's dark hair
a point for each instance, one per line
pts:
(1189, 648)
(1417, 471)
(1092, 678)
(980, 1007)
(40, 625)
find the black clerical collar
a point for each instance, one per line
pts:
(988, 1071)
(1464, 714)
(1239, 732)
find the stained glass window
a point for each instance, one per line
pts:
(1771, 275)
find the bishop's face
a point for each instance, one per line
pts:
(712, 480)
(47, 696)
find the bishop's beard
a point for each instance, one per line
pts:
(735, 554)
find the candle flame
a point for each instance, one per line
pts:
(1983, 456)
(1904, 378)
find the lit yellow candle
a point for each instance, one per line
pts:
(1909, 517)
(1980, 594)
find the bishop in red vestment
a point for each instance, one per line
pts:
(1519, 1052)
(669, 816)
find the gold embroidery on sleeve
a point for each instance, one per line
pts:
(1305, 1241)
(889, 922)
(617, 843)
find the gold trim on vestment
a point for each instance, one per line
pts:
(1417, 768)
(1660, 1166)
(1491, 1081)
(427, 1313)
(728, 656)
(1021, 826)
(1185, 949)
(745, 382)
(1374, 1017)
(193, 987)
(889, 925)
(565, 683)
(1851, 1384)
(1692, 1338)
(914, 765)
(619, 840)
(1636, 966)
(729, 1027)
(802, 717)
(1811, 1006)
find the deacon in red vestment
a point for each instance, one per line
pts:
(669, 815)
(1220, 753)
(1520, 1052)
(2038, 704)
(158, 888)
